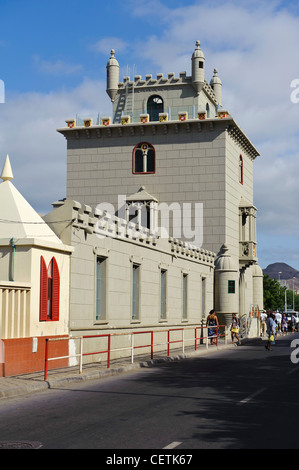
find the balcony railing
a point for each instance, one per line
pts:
(247, 251)
(172, 114)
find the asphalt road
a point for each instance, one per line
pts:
(241, 398)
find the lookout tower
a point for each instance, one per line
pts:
(162, 97)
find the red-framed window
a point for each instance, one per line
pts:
(144, 159)
(49, 290)
(241, 169)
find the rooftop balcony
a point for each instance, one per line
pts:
(247, 253)
(173, 114)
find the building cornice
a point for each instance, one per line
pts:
(153, 128)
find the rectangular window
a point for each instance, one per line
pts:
(203, 297)
(135, 291)
(101, 289)
(231, 287)
(185, 296)
(163, 295)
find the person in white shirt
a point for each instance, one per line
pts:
(263, 320)
(278, 318)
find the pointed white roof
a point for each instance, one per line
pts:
(18, 219)
(7, 171)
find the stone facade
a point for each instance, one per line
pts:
(102, 302)
(171, 142)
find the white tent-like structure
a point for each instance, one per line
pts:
(32, 257)
(18, 220)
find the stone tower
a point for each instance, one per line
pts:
(172, 137)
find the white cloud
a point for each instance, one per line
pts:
(56, 68)
(28, 124)
(105, 45)
(254, 45)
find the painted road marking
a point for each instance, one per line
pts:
(246, 400)
(172, 445)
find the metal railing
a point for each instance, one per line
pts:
(204, 339)
(173, 114)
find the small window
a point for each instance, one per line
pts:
(101, 289)
(185, 296)
(208, 110)
(200, 65)
(163, 295)
(203, 297)
(231, 287)
(144, 159)
(135, 292)
(241, 169)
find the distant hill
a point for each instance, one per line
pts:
(287, 272)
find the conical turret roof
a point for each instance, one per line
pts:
(18, 219)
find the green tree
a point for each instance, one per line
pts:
(273, 294)
(290, 300)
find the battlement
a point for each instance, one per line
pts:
(102, 224)
(170, 80)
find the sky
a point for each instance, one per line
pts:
(53, 58)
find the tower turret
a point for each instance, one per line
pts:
(216, 84)
(198, 70)
(112, 76)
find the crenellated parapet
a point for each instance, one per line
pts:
(101, 224)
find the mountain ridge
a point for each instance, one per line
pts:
(283, 272)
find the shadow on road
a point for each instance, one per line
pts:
(222, 412)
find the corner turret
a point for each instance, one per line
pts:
(198, 68)
(216, 84)
(112, 76)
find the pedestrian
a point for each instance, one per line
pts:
(293, 322)
(278, 319)
(284, 324)
(271, 327)
(235, 326)
(263, 319)
(212, 324)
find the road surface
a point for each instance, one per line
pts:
(240, 398)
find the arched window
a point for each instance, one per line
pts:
(49, 291)
(144, 159)
(155, 106)
(208, 110)
(241, 169)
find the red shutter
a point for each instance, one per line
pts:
(55, 290)
(43, 290)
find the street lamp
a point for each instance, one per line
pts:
(293, 295)
(279, 273)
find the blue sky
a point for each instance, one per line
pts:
(53, 63)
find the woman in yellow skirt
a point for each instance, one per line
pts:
(235, 329)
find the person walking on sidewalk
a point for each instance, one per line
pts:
(212, 324)
(278, 319)
(271, 329)
(263, 319)
(284, 324)
(293, 322)
(235, 326)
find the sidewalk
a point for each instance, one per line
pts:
(34, 382)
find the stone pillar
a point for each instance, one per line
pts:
(226, 287)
